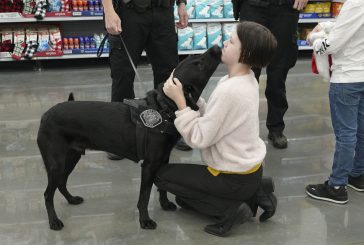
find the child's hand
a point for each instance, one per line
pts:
(174, 90)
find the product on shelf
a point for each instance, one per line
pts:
(214, 35)
(317, 10)
(302, 35)
(87, 5)
(216, 9)
(29, 7)
(83, 44)
(54, 5)
(336, 7)
(199, 36)
(65, 5)
(7, 44)
(19, 43)
(7, 6)
(191, 9)
(203, 9)
(228, 9)
(185, 38)
(41, 9)
(227, 29)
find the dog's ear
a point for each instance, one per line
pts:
(191, 101)
(71, 97)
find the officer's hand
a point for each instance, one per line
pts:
(300, 4)
(112, 23)
(183, 16)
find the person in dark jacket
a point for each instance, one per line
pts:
(281, 18)
(143, 25)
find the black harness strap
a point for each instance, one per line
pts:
(138, 109)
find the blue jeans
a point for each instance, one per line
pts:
(347, 116)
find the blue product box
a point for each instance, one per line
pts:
(199, 38)
(214, 35)
(202, 9)
(315, 15)
(191, 9)
(216, 9)
(227, 29)
(302, 43)
(228, 9)
(185, 38)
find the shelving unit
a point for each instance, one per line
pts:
(83, 18)
(74, 25)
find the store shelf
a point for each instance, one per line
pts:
(49, 19)
(316, 20)
(104, 55)
(87, 18)
(304, 48)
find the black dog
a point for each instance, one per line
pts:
(69, 128)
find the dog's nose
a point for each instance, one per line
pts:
(216, 51)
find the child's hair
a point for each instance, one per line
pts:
(257, 44)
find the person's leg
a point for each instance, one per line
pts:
(256, 14)
(162, 51)
(161, 45)
(134, 33)
(344, 104)
(195, 185)
(221, 196)
(283, 25)
(356, 177)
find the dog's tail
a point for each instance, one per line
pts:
(71, 97)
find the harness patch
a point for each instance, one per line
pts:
(151, 118)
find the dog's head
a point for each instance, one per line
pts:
(194, 72)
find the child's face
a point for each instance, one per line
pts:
(231, 51)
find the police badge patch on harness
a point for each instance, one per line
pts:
(151, 118)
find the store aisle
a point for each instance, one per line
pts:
(110, 188)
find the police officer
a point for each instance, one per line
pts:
(281, 18)
(144, 25)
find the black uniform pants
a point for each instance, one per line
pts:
(205, 193)
(282, 21)
(152, 31)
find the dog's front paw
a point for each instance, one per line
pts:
(169, 206)
(148, 224)
(56, 224)
(75, 200)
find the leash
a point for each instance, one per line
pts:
(101, 49)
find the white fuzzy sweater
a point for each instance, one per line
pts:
(345, 42)
(226, 129)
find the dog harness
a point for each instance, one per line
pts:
(148, 120)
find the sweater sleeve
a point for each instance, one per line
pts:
(347, 24)
(203, 131)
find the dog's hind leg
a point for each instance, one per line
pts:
(54, 170)
(72, 159)
(165, 203)
(54, 176)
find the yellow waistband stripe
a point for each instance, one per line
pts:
(215, 172)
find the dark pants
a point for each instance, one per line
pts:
(205, 193)
(282, 21)
(152, 31)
